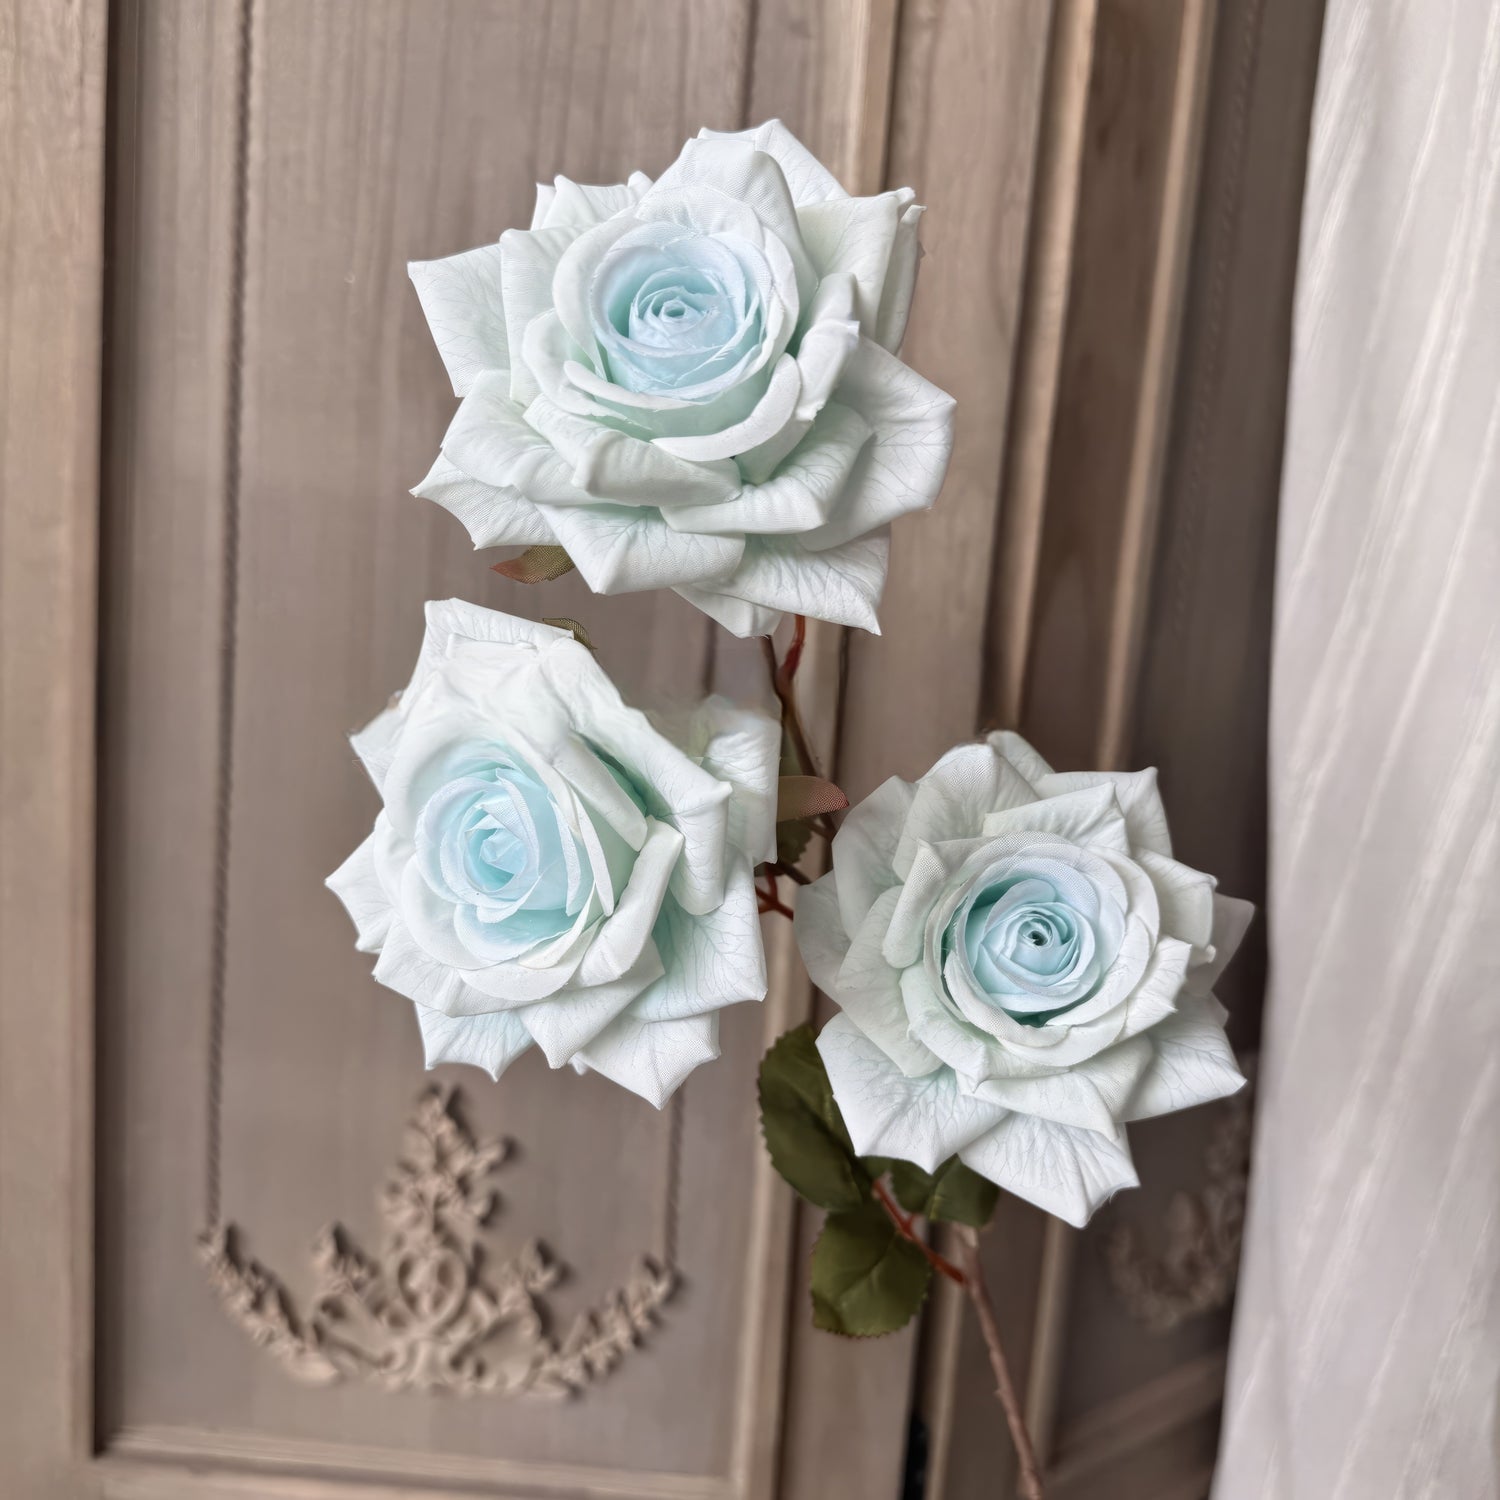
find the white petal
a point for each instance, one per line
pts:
(528, 259)
(1192, 1064)
(807, 177)
(651, 1058)
(620, 550)
(766, 418)
(490, 440)
(405, 968)
(801, 494)
(743, 747)
(1137, 794)
(923, 1120)
(868, 990)
(461, 297)
(1064, 1170)
(1185, 897)
(737, 616)
(1020, 754)
(712, 960)
(375, 744)
(676, 790)
(493, 517)
(1092, 1094)
(954, 798)
(842, 585)
(613, 466)
(579, 205)
(357, 885)
(900, 282)
(625, 933)
(567, 1022)
(821, 938)
(452, 620)
(1232, 918)
(864, 848)
(858, 236)
(1091, 818)
(492, 1042)
(901, 469)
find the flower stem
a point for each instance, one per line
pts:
(978, 1292)
(905, 1228)
(783, 675)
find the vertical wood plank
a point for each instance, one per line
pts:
(52, 83)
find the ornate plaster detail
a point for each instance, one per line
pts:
(433, 1312)
(1196, 1270)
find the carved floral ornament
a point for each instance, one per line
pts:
(434, 1312)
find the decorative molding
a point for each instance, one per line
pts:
(432, 1313)
(1196, 1270)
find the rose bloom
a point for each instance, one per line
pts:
(552, 867)
(692, 383)
(1022, 968)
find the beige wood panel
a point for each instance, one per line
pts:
(52, 60)
(372, 133)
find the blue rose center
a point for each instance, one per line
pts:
(680, 319)
(492, 843)
(1031, 944)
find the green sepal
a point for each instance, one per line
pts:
(867, 1279)
(803, 1129)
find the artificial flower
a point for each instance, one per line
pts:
(692, 383)
(1021, 968)
(551, 867)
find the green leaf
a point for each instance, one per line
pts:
(792, 840)
(804, 1131)
(807, 797)
(866, 1278)
(912, 1186)
(535, 565)
(961, 1196)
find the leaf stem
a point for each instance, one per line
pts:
(978, 1292)
(905, 1226)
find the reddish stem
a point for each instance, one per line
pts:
(782, 675)
(905, 1225)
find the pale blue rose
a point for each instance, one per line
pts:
(552, 868)
(692, 383)
(1021, 968)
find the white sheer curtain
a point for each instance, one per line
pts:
(1367, 1338)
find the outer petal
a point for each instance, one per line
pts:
(902, 468)
(651, 1058)
(1185, 897)
(626, 933)
(821, 938)
(621, 551)
(809, 180)
(1092, 1095)
(955, 797)
(528, 259)
(1020, 754)
(565, 204)
(357, 885)
(924, 1120)
(858, 236)
(864, 848)
(1091, 817)
(712, 960)
(900, 281)
(1192, 1063)
(868, 990)
(571, 1019)
(1232, 918)
(738, 616)
(744, 749)
(842, 585)
(492, 1042)
(465, 311)
(1068, 1172)
(493, 517)
(1137, 794)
